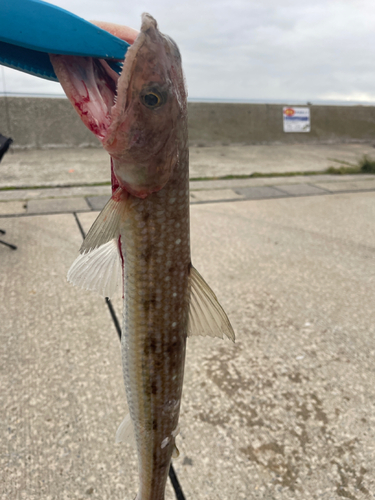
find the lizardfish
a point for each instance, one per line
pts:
(141, 238)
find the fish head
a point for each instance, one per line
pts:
(139, 115)
(143, 136)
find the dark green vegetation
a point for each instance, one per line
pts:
(367, 165)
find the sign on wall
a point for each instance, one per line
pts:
(296, 119)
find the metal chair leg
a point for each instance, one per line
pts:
(13, 247)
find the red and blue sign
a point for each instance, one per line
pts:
(296, 119)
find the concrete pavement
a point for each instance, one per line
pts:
(15, 202)
(80, 166)
(286, 413)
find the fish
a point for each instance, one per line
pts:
(140, 242)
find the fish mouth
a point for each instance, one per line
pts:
(92, 86)
(142, 143)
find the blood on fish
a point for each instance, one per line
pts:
(142, 234)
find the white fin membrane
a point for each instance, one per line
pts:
(175, 452)
(125, 432)
(99, 270)
(206, 316)
(107, 224)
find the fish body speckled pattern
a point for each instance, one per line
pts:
(141, 238)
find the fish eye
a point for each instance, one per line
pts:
(152, 99)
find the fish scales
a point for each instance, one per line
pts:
(141, 238)
(156, 250)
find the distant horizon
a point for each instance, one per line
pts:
(288, 102)
(288, 52)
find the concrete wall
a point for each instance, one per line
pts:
(263, 123)
(43, 123)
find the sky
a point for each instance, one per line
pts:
(265, 50)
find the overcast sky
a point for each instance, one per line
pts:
(247, 49)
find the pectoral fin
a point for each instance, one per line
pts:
(98, 270)
(206, 316)
(107, 225)
(99, 266)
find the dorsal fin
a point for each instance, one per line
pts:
(206, 316)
